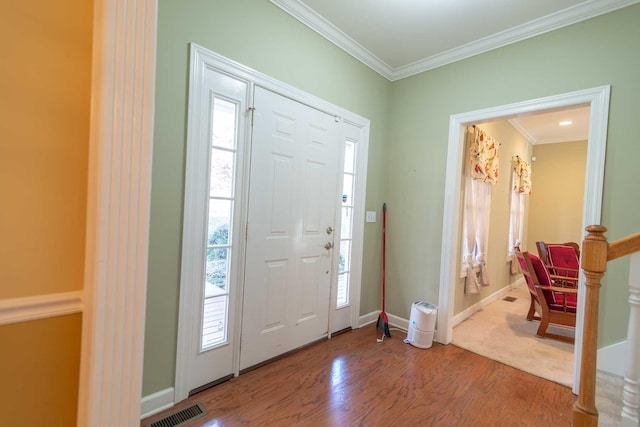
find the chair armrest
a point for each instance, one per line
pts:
(558, 289)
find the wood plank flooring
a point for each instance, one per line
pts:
(351, 380)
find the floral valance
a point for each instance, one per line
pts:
(521, 175)
(483, 155)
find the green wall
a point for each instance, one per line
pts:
(408, 144)
(597, 52)
(261, 36)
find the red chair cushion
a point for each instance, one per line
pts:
(563, 257)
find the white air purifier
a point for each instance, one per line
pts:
(422, 324)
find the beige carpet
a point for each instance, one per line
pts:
(501, 332)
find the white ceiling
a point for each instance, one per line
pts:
(544, 128)
(400, 38)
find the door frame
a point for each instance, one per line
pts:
(200, 59)
(598, 99)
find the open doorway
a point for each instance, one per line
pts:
(598, 101)
(493, 321)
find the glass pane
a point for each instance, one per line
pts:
(214, 322)
(349, 156)
(221, 184)
(344, 259)
(224, 124)
(347, 190)
(345, 223)
(343, 290)
(217, 269)
(219, 222)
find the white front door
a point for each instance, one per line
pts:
(291, 227)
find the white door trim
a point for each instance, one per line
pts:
(202, 58)
(119, 193)
(194, 218)
(598, 99)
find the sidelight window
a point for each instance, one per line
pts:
(222, 161)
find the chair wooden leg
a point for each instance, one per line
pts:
(532, 310)
(542, 329)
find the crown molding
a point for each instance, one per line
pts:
(523, 131)
(326, 29)
(545, 24)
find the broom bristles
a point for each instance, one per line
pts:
(383, 325)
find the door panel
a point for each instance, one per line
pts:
(292, 202)
(212, 234)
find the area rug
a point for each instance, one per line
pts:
(500, 331)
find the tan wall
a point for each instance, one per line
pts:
(511, 143)
(45, 76)
(555, 213)
(39, 372)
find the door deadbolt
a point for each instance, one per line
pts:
(329, 230)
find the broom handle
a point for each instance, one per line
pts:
(384, 250)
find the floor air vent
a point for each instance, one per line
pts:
(180, 417)
(509, 299)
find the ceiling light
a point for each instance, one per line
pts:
(565, 123)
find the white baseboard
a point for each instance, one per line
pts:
(469, 311)
(156, 402)
(369, 318)
(612, 359)
(398, 322)
(16, 310)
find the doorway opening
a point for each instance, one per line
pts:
(493, 321)
(598, 101)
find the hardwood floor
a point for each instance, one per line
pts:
(351, 380)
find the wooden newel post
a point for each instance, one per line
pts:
(594, 263)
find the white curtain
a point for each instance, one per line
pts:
(482, 195)
(521, 187)
(469, 234)
(480, 174)
(516, 221)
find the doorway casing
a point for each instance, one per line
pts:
(598, 100)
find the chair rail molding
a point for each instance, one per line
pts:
(16, 310)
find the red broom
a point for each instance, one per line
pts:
(383, 320)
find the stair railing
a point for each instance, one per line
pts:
(596, 252)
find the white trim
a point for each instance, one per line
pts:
(611, 358)
(357, 251)
(470, 311)
(369, 318)
(119, 192)
(631, 388)
(15, 310)
(202, 58)
(598, 98)
(326, 29)
(194, 225)
(542, 25)
(156, 402)
(398, 322)
(523, 130)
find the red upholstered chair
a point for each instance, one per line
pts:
(553, 304)
(542, 249)
(561, 260)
